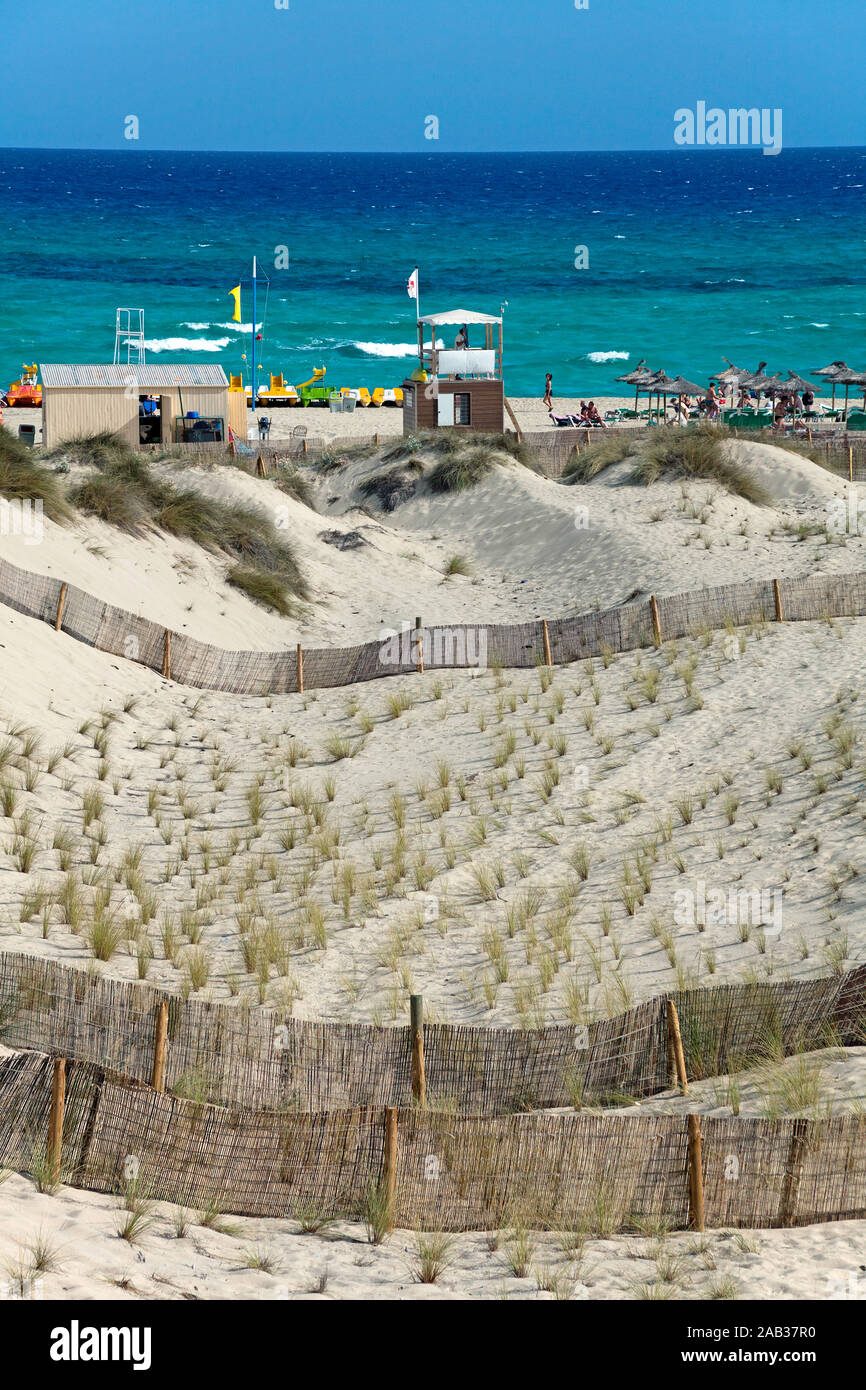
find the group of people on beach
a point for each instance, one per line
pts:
(682, 407)
(589, 414)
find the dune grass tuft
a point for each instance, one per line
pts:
(123, 491)
(583, 467)
(23, 478)
(695, 452)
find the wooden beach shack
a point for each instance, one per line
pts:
(457, 386)
(144, 403)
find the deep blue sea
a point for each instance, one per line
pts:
(693, 256)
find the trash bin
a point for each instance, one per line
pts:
(349, 403)
(336, 404)
(27, 434)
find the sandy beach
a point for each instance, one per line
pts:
(735, 755)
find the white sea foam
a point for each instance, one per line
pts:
(608, 356)
(186, 344)
(390, 349)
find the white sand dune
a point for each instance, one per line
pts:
(708, 761)
(80, 1229)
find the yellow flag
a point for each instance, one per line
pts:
(236, 294)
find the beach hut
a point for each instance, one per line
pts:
(458, 386)
(144, 403)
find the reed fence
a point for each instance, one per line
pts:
(434, 1171)
(841, 451)
(232, 1054)
(558, 641)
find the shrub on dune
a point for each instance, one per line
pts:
(391, 486)
(267, 589)
(294, 484)
(22, 478)
(122, 491)
(695, 453)
(583, 467)
(459, 471)
(111, 499)
(105, 451)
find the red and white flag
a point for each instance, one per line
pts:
(412, 287)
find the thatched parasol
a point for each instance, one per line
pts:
(660, 385)
(832, 373)
(679, 387)
(731, 376)
(760, 382)
(847, 377)
(637, 377)
(796, 385)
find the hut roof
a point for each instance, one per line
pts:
(147, 376)
(459, 316)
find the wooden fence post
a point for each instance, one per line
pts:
(675, 1041)
(793, 1173)
(157, 1079)
(545, 634)
(696, 1175)
(657, 627)
(416, 1024)
(777, 599)
(55, 1118)
(420, 645)
(300, 669)
(389, 1166)
(61, 604)
(166, 655)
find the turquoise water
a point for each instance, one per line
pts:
(692, 256)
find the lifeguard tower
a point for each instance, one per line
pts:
(457, 386)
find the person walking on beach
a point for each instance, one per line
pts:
(548, 391)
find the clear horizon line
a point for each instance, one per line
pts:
(134, 146)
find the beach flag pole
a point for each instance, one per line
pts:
(253, 398)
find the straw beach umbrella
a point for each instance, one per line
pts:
(679, 387)
(759, 382)
(830, 372)
(637, 378)
(847, 377)
(661, 385)
(731, 376)
(796, 385)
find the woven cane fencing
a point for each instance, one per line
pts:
(226, 1053)
(452, 1172)
(90, 620)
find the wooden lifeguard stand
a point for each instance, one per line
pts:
(457, 387)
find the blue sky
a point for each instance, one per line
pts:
(498, 74)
